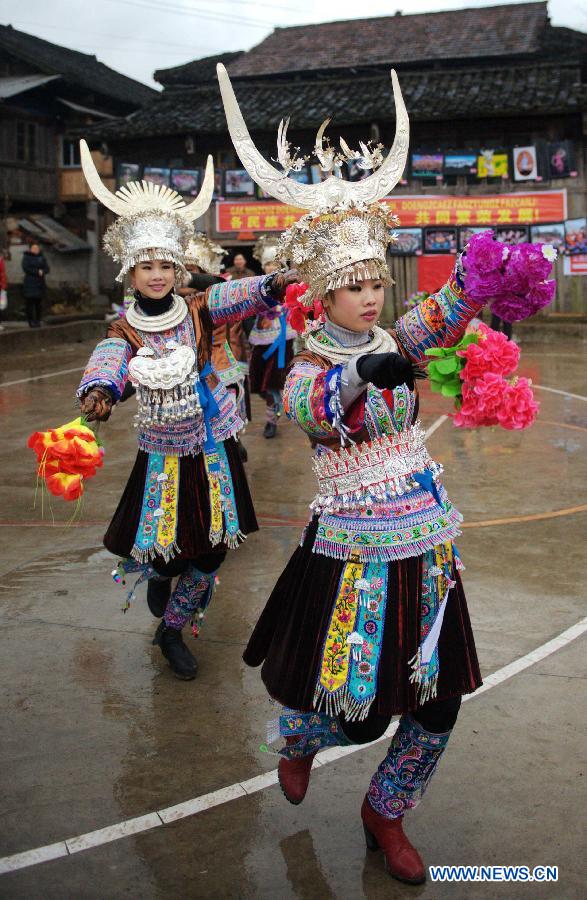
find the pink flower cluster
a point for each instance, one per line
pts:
(513, 279)
(488, 398)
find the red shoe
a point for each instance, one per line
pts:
(402, 860)
(294, 777)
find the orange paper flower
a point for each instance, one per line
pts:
(66, 456)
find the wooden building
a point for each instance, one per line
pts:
(48, 94)
(481, 80)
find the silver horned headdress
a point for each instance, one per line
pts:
(205, 254)
(344, 236)
(154, 222)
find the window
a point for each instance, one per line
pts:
(70, 157)
(26, 142)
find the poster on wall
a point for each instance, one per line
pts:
(427, 165)
(185, 181)
(460, 163)
(549, 234)
(157, 175)
(128, 172)
(525, 164)
(238, 183)
(576, 236)
(575, 265)
(465, 235)
(560, 159)
(409, 242)
(517, 235)
(440, 240)
(492, 164)
(218, 184)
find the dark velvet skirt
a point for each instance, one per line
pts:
(193, 513)
(289, 636)
(264, 375)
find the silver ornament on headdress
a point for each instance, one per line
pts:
(154, 222)
(333, 191)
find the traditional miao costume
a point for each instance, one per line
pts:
(229, 343)
(271, 339)
(369, 618)
(187, 500)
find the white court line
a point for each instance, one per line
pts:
(258, 782)
(439, 421)
(542, 387)
(38, 377)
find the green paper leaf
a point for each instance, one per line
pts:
(447, 366)
(451, 390)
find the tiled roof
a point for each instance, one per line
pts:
(198, 71)
(429, 94)
(510, 29)
(80, 68)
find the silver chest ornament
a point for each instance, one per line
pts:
(166, 386)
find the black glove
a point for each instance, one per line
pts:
(200, 281)
(278, 281)
(388, 370)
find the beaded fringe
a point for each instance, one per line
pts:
(426, 689)
(145, 556)
(341, 701)
(383, 554)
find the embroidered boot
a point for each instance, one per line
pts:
(182, 662)
(398, 785)
(305, 734)
(402, 860)
(294, 774)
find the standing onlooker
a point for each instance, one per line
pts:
(239, 268)
(35, 268)
(3, 288)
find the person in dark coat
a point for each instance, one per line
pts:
(35, 268)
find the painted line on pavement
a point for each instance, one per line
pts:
(542, 387)
(38, 377)
(196, 805)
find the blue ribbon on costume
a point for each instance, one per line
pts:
(426, 480)
(279, 343)
(209, 409)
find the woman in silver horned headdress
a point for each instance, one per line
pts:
(369, 618)
(186, 501)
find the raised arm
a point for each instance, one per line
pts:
(438, 321)
(232, 301)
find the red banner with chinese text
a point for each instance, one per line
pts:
(416, 210)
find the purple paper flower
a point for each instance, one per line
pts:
(484, 254)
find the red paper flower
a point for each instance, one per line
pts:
(519, 408)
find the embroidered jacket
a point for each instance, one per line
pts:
(220, 306)
(382, 498)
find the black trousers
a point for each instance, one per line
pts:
(500, 324)
(438, 716)
(33, 309)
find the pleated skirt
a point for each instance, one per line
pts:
(193, 512)
(264, 374)
(289, 636)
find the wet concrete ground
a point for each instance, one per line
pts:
(97, 731)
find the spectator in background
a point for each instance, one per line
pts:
(35, 268)
(239, 268)
(501, 325)
(3, 288)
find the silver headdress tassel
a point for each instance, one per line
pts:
(344, 237)
(154, 222)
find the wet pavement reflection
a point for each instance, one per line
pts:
(98, 731)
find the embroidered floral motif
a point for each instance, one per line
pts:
(107, 367)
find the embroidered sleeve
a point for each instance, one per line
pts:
(438, 321)
(230, 301)
(107, 367)
(311, 397)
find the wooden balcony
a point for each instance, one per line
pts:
(22, 183)
(72, 184)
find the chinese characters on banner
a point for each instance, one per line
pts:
(414, 211)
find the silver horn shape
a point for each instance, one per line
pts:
(142, 196)
(333, 190)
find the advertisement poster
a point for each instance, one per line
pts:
(427, 165)
(512, 235)
(492, 164)
(549, 234)
(128, 172)
(460, 163)
(238, 182)
(560, 161)
(409, 242)
(465, 235)
(576, 236)
(157, 176)
(525, 164)
(440, 240)
(185, 181)
(575, 265)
